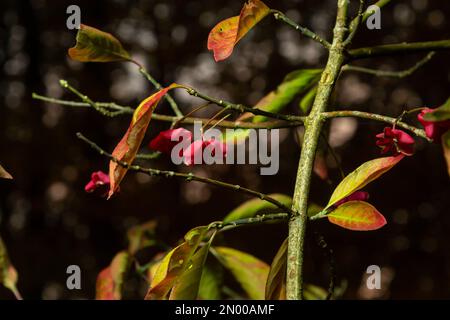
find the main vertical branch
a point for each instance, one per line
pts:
(313, 125)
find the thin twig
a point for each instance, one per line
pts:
(354, 25)
(305, 31)
(187, 176)
(277, 124)
(225, 226)
(377, 117)
(239, 107)
(394, 74)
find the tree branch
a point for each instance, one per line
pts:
(398, 48)
(225, 226)
(278, 15)
(393, 74)
(187, 176)
(239, 107)
(276, 124)
(377, 117)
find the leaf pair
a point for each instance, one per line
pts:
(178, 275)
(359, 215)
(227, 33)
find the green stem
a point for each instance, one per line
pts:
(313, 125)
(278, 15)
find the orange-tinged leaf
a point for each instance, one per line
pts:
(227, 33)
(8, 274)
(129, 145)
(94, 45)
(362, 176)
(174, 264)
(249, 271)
(4, 174)
(357, 216)
(110, 280)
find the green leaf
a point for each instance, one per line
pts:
(313, 292)
(94, 45)
(441, 113)
(174, 264)
(276, 280)
(4, 174)
(8, 274)
(110, 280)
(141, 236)
(446, 149)
(307, 101)
(211, 282)
(249, 271)
(357, 216)
(256, 207)
(362, 176)
(295, 83)
(187, 285)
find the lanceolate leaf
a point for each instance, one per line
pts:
(439, 114)
(174, 264)
(256, 207)
(227, 33)
(187, 285)
(249, 271)
(357, 216)
(110, 280)
(8, 274)
(446, 148)
(128, 147)
(94, 45)
(4, 174)
(276, 280)
(211, 282)
(363, 175)
(141, 236)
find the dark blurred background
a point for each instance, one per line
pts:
(48, 222)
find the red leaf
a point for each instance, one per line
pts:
(110, 280)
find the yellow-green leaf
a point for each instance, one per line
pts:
(187, 285)
(174, 264)
(4, 174)
(307, 100)
(8, 274)
(249, 271)
(357, 216)
(211, 282)
(362, 176)
(130, 143)
(227, 33)
(110, 280)
(256, 207)
(94, 45)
